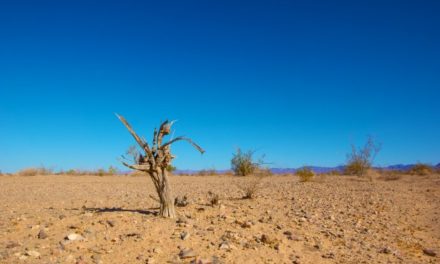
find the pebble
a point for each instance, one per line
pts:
(42, 234)
(12, 244)
(111, 223)
(184, 235)
(33, 253)
(429, 252)
(224, 245)
(187, 253)
(287, 233)
(74, 237)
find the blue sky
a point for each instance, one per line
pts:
(298, 80)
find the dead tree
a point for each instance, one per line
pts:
(155, 161)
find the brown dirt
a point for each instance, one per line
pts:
(334, 220)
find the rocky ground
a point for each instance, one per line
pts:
(112, 219)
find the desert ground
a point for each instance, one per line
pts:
(113, 219)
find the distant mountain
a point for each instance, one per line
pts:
(316, 169)
(399, 167)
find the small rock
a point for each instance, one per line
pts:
(12, 244)
(184, 235)
(74, 237)
(181, 201)
(287, 233)
(429, 252)
(385, 250)
(329, 255)
(181, 220)
(225, 245)
(201, 261)
(42, 234)
(33, 253)
(111, 223)
(246, 224)
(97, 259)
(187, 253)
(266, 239)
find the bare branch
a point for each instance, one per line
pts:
(141, 142)
(186, 139)
(144, 168)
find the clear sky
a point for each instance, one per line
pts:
(298, 80)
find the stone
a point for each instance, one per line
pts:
(12, 244)
(288, 233)
(184, 235)
(225, 245)
(97, 259)
(111, 223)
(33, 253)
(187, 253)
(429, 252)
(182, 220)
(329, 255)
(42, 234)
(385, 250)
(246, 224)
(180, 201)
(74, 237)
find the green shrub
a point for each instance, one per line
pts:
(305, 174)
(171, 168)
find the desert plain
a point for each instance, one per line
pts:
(113, 219)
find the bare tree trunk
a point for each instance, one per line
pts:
(166, 197)
(155, 163)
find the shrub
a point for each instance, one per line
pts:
(213, 198)
(171, 168)
(390, 176)
(112, 170)
(35, 171)
(251, 186)
(207, 172)
(243, 164)
(421, 169)
(305, 174)
(361, 159)
(334, 172)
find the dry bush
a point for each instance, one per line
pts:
(243, 164)
(421, 169)
(251, 186)
(360, 160)
(305, 174)
(99, 172)
(207, 172)
(35, 171)
(334, 172)
(213, 198)
(390, 175)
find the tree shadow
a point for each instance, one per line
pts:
(148, 211)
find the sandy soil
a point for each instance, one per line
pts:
(112, 219)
